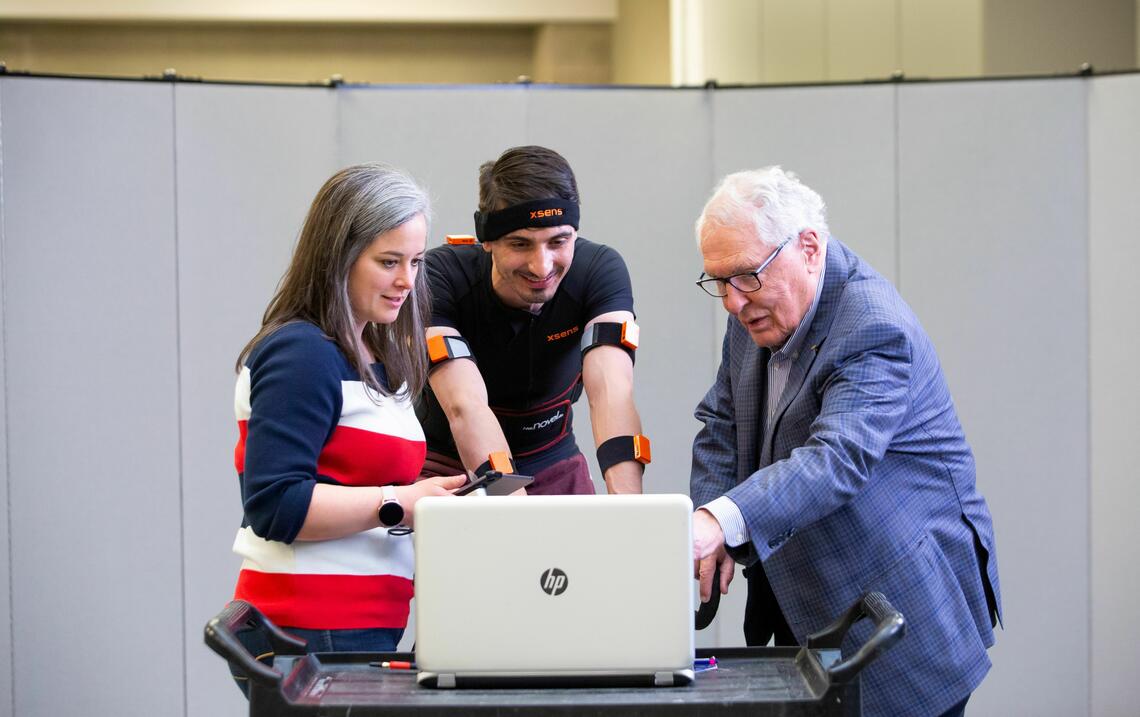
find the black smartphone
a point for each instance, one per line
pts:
(495, 483)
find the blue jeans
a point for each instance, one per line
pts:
(374, 639)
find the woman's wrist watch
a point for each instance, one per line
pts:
(391, 512)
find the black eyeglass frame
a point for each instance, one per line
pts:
(723, 283)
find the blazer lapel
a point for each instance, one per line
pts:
(835, 276)
(750, 388)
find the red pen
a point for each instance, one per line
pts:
(398, 665)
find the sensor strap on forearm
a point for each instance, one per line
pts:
(445, 348)
(498, 461)
(625, 335)
(624, 448)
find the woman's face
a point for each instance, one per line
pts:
(382, 277)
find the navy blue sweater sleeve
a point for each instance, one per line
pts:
(295, 402)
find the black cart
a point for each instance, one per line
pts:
(786, 681)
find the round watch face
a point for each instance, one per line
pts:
(391, 513)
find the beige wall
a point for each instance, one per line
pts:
(773, 41)
(793, 41)
(862, 39)
(940, 38)
(308, 40)
(764, 41)
(641, 43)
(731, 44)
(305, 11)
(594, 42)
(1047, 36)
(573, 53)
(289, 53)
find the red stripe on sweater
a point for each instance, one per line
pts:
(354, 456)
(239, 449)
(327, 602)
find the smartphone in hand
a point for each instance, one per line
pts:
(495, 483)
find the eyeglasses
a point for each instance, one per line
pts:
(747, 282)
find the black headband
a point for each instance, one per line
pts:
(553, 212)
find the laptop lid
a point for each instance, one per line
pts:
(573, 587)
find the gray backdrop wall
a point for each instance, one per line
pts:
(144, 226)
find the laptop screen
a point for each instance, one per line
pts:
(554, 584)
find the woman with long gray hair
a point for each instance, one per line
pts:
(329, 446)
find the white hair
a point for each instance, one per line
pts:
(773, 203)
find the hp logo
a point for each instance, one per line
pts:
(553, 582)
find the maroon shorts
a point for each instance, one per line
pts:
(566, 477)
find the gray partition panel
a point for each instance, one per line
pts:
(156, 220)
(440, 135)
(92, 396)
(641, 160)
(249, 162)
(841, 143)
(992, 192)
(5, 564)
(1114, 215)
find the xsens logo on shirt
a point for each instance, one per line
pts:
(562, 334)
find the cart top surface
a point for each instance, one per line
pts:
(743, 676)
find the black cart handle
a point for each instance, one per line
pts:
(890, 627)
(221, 636)
(706, 611)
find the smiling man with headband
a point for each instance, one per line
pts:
(521, 322)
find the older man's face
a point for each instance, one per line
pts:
(787, 289)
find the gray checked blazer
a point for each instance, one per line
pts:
(863, 482)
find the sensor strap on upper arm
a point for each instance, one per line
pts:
(624, 448)
(445, 348)
(626, 335)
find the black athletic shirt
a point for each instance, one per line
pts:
(531, 363)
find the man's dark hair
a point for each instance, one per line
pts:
(524, 174)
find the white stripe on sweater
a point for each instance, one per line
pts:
(388, 415)
(241, 395)
(373, 552)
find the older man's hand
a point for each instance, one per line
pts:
(709, 557)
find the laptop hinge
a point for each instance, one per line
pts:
(446, 681)
(663, 679)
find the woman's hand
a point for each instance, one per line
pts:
(409, 495)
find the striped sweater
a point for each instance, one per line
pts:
(304, 417)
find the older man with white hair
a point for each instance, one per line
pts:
(831, 461)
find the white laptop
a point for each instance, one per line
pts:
(554, 590)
